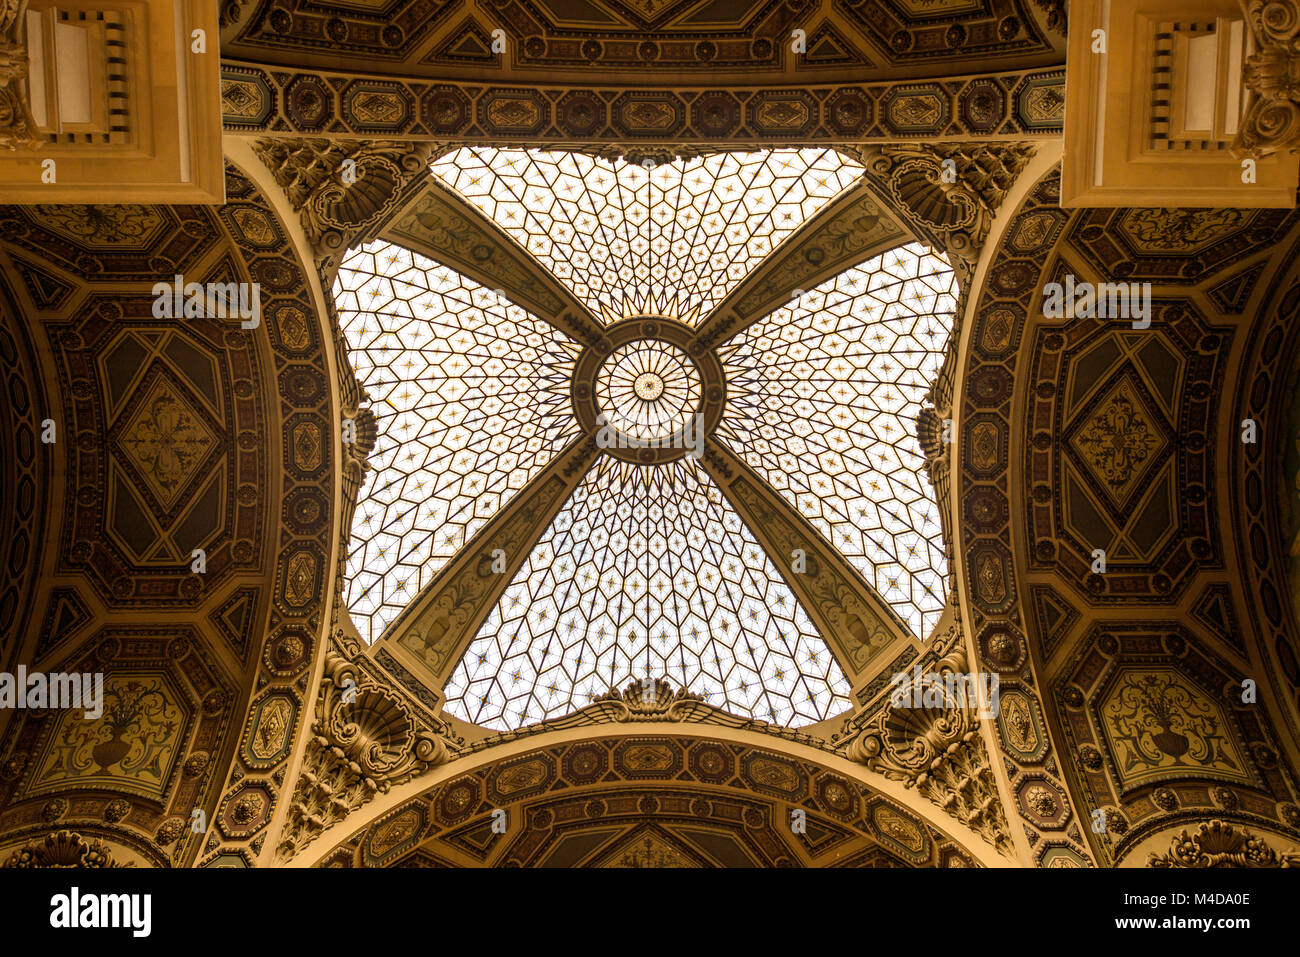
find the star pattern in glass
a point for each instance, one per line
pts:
(822, 401)
(620, 233)
(646, 570)
(471, 398)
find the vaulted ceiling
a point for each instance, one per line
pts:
(661, 41)
(248, 692)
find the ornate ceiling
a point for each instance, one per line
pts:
(163, 442)
(665, 41)
(649, 801)
(645, 567)
(321, 705)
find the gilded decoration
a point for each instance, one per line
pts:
(1120, 441)
(364, 740)
(341, 187)
(131, 747)
(265, 704)
(948, 192)
(1155, 721)
(938, 751)
(593, 803)
(1272, 119)
(64, 849)
(17, 126)
(1185, 230)
(1222, 844)
(104, 227)
(167, 440)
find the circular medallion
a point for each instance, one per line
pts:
(647, 389)
(644, 394)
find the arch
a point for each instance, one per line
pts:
(695, 760)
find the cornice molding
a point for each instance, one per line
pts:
(1003, 106)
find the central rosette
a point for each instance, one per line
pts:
(648, 389)
(647, 392)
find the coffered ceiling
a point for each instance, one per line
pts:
(649, 42)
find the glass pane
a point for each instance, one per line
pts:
(647, 572)
(623, 236)
(471, 397)
(822, 400)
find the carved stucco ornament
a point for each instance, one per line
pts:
(344, 190)
(365, 739)
(1272, 75)
(949, 192)
(936, 443)
(651, 700)
(938, 751)
(17, 126)
(1220, 844)
(63, 849)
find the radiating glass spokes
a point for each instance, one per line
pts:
(648, 389)
(646, 571)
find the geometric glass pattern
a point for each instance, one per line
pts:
(617, 233)
(471, 398)
(647, 389)
(647, 572)
(822, 401)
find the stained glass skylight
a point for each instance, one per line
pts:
(617, 233)
(646, 570)
(471, 397)
(822, 400)
(647, 389)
